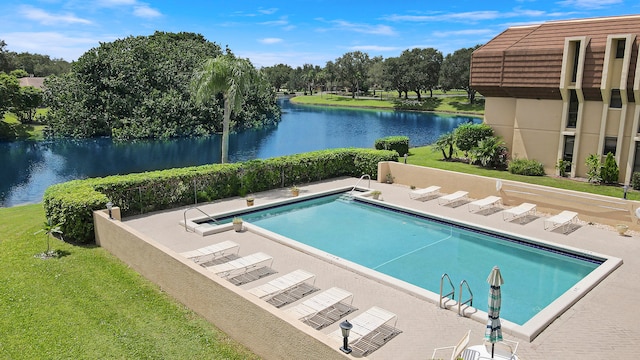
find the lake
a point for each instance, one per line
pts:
(29, 167)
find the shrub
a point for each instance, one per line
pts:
(563, 166)
(71, 204)
(467, 136)
(398, 143)
(491, 152)
(528, 167)
(609, 171)
(635, 181)
(593, 168)
(445, 144)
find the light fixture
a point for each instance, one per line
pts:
(405, 157)
(109, 207)
(345, 326)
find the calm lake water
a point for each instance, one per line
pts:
(29, 167)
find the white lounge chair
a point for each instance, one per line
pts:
(519, 212)
(214, 250)
(421, 194)
(281, 284)
(564, 219)
(488, 202)
(369, 323)
(325, 302)
(242, 264)
(456, 350)
(452, 198)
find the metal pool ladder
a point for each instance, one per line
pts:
(470, 300)
(196, 208)
(452, 292)
(361, 178)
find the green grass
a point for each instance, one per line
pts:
(11, 128)
(86, 304)
(424, 156)
(447, 104)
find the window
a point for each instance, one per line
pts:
(610, 145)
(636, 163)
(620, 48)
(576, 59)
(568, 151)
(572, 118)
(616, 99)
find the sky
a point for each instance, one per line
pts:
(294, 32)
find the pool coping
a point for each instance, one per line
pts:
(528, 331)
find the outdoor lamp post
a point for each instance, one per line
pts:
(109, 207)
(405, 157)
(345, 326)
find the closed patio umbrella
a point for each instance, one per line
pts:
(493, 333)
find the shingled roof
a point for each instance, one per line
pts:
(526, 61)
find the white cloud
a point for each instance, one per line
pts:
(589, 4)
(145, 11)
(46, 18)
(267, 11)
(283, 21)
(468, 32)
(359, 28)
(377, 48)
(269, 41)
(54, 44)
(115, 3)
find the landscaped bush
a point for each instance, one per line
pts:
(72, 203)
(528, 167)
(467, 136)
(609, 171)
(635, 181)
(397, 143)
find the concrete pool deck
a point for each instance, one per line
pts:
(603, 324)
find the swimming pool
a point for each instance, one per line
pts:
(418, 250)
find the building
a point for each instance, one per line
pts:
(565, 90)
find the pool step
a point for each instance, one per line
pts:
(347, 197)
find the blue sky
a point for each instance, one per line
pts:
(294, 32)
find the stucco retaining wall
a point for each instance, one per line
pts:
(590, 207)
(251, 322)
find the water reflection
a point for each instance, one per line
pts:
(28, 167)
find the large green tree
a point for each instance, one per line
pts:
(277, 75)
(422, 69)
(353, 69)
(139, 87)
(455, 71)
(9, 91)
(229, 76)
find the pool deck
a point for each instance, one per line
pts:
(604, 324)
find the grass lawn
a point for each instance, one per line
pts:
(424, 156)
(447, 104)
(87, 304)
(10, 125)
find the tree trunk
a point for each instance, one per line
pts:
(225, 130)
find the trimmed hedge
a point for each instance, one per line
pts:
(529, 167)
(72, 203)
(398, 143)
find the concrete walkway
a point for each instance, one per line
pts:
(604, 324)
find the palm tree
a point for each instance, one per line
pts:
(50, 230)
(230, 76)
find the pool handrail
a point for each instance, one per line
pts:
(452, 292)
(356, 185)
(470, 300)
(186, 228)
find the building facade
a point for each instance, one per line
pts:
(563, 90)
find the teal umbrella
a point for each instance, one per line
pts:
(493, 333)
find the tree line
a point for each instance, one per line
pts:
(416, 70)
(33, 64)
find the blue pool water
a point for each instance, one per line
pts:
(418, 251)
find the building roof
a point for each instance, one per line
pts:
(526, 61)
(36, 82)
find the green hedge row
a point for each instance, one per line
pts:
(400, 144)
(71, 204)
